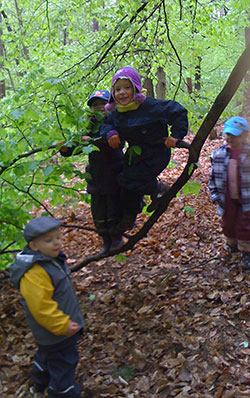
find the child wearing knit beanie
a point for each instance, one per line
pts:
(143, 123)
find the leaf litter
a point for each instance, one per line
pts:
(171, 321)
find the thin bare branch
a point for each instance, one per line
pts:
(174, 49)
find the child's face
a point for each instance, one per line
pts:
(234, 141)
(123, 91)
(98, 105)
(48, 244)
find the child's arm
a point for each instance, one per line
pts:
(37, 289)
(107, 130)
(114, 139)
(170, 142)
(176, 117)
(72, 329)
(214, 194)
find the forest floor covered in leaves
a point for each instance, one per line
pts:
(173, 321)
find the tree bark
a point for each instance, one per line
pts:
(20, 22)
(197, 76)
(148, 85)
(220, 103)
(161, 84)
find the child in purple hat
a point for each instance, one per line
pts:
(143, 123)
(229, 186)
(103, 168)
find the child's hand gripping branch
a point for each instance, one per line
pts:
(170, 142)
(114, 141)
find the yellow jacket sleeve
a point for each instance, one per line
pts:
(37, 289)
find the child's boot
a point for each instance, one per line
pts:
(162, 189)
(127, 222)
(245, 261)
(232, 248)
(106, 244)
(116, 242)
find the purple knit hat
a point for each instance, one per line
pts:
(130, 74)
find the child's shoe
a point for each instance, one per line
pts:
(127, 222)
(163, 188)
(245, 261)
(232, 248)
(106, 244)
(117, 242)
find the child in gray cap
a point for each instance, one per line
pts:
(51, 308)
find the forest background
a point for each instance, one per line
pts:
(54, 54)
(172, 318)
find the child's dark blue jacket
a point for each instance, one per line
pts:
(104, 165)
(146, 127)
(148, 124)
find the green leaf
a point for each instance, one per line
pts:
(126, 372)
(191, 168)
(48, 170)
(121, 258)
(88, 149)
(132, 151)
(189, 210)
(16, 114)
(192, 187)
(53, 80)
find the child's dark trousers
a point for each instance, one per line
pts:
(54, 368)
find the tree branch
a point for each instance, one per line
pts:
(173, 47)
(24, 155)
(220, 103)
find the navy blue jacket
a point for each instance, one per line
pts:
(146, 127)
(149, 123)
(104, 165)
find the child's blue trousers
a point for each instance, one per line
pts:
(54, 368)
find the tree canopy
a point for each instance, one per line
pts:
(54, 54)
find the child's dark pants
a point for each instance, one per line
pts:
(105, 211)
(54, 368)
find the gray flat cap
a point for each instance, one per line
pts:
(39, 226)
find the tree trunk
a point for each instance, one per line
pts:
(189, 85)
(148, 85)
(197, 76)
(161, 84)
(20, 22)
(95, 25)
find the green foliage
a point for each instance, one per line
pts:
(133, 152)
(126, 372)
(53, 60)
(189, 210)
(120, 258)
(191, 187)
